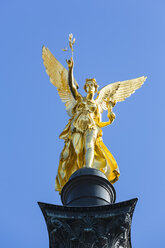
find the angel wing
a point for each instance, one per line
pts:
(59, 78)
(118, 91)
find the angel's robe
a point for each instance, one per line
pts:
(71, 162)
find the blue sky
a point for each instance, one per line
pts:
(115, 41)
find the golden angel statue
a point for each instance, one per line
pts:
(84, 145)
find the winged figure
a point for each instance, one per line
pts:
(84, 145)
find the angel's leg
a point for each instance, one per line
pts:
(90, 139)
(77, 141)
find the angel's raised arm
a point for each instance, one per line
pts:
(72, 84)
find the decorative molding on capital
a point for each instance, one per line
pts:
(83, 227)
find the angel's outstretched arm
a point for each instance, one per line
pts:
(71, 83)
(111, 117)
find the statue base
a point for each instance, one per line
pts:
(88, 187)
(89, 217)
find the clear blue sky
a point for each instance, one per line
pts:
(115, 41)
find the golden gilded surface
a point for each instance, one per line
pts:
(84, 145)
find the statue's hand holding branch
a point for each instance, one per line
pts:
(72, 83)
(70, 63)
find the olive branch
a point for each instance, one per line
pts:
(71, 43)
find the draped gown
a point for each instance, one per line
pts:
(84, 123)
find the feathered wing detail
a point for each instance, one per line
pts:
(59, 78)
(118, 91)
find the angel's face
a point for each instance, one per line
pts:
(90, 87)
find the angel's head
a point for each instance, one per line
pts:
(91, 86)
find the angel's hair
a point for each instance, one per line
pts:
(91, 80)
